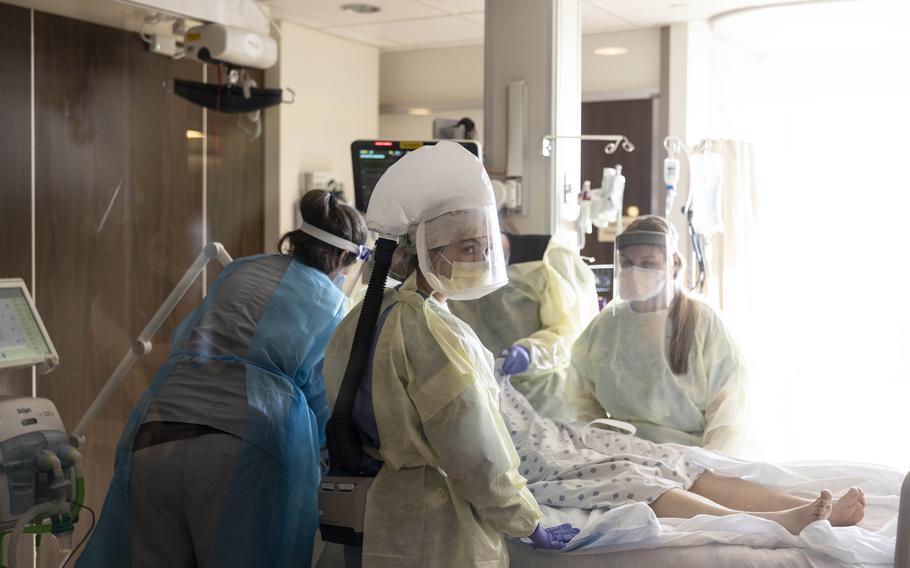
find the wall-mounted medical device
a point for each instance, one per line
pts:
(510, 191)
(217, 43)
(371, 158)
(233, 49)
(236, 48)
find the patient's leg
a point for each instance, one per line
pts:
(743, 495)
(684, 504)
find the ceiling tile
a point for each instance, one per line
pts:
(457, 6)
(659, 12)
(594, 20)
(330, 12)
(428, 32)
(363, 37)
(279, 13)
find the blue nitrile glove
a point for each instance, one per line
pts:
(553, 538)
(517, 360)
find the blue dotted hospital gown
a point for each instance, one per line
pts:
(589, 468)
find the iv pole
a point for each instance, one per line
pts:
(142, 344)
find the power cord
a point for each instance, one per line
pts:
(91, 527)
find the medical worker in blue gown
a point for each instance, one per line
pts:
(219, 462)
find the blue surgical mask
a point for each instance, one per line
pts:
(339, 280)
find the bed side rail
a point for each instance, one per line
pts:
(902, 551)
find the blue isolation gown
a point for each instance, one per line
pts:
(264, 325)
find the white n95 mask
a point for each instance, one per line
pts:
(639, 284)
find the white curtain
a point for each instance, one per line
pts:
(733, 275)
(818, 291)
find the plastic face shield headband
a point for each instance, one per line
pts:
(360, 251)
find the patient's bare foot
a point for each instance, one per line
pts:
(849, 509)
(795, 520)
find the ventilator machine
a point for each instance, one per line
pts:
(42, 486)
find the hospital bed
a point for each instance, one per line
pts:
(818, 547)
(733, 554)
(713, 555)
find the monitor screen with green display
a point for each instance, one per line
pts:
(23, 340)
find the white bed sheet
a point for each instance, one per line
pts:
(738, 538)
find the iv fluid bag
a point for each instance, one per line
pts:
(606, 202)
(707, 174)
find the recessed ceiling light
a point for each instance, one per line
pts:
(418, 111)
(360, 8)
(611, 51)
(194, 135)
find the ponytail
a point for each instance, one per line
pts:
(322, 210)
(682, 320)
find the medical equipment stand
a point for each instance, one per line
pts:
(143, 344)
(902, 549)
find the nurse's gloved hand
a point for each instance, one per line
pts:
(553, 538)
(517, 360)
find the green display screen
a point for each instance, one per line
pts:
(21, 339)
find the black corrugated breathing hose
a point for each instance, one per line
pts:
(345, 449)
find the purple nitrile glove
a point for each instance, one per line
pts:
(517, 360)
(553, 538)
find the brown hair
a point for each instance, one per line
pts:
(322, 210)
(683, 310)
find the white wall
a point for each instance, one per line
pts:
(446, 77)
(636, 70)
(449, 81)
(337, 86)
(403, 126)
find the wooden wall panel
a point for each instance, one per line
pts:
(15, 164)
(119, 207)
(633, 118)
(236, 205)
(119, 215)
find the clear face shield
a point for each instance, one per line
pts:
(644, 271)
(460, 253)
